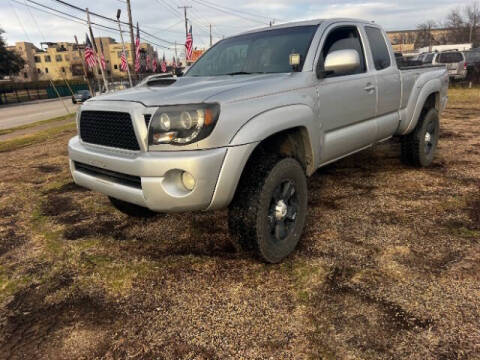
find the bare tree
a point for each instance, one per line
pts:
(472, 14)
(424, 36)
(457, 27)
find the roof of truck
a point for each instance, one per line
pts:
(306, 23)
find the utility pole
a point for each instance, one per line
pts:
(210, 35)
(123, 46)
(84, 67)
(96, 51)
(175, 49)
(185, 15)
(429, 37)
(132, 39)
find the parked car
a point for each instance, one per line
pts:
(455, 62)
(81, 96)
(472, 60)
(250, 120)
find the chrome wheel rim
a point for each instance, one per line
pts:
(283, 209)
(429, 139)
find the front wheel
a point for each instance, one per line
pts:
(268, 212)
(418, 147)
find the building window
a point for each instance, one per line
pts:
(99, 72)
(39, 71)
(67, 58)
(25, 75)
(115, 67)
(108, 72)
(46, 70)
(38, 59)
(47, 58)
(63, 69)
(58, 58)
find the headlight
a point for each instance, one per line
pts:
(182, 124)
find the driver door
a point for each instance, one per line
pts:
(346, 102)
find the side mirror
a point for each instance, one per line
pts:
(341, 62)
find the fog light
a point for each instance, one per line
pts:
(188, 180)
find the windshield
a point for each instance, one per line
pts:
(256, 53)
(450, 57)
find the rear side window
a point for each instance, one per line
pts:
(428, 59)
(450, 57)
(381, 56)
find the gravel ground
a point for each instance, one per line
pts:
(388, 267)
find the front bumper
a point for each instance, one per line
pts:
(216, 173)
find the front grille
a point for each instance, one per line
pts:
(119, 178)
(108, 128)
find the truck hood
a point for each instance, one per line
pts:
(190, 90)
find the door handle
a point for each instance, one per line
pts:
(370, 88)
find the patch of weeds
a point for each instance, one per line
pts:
(39, 137)
(114, 275)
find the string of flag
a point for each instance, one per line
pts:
(150, 62)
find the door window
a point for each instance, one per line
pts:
(344, 38)
(381, 56)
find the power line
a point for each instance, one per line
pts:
(82, 21)
(229, 12)
(112, 20)
(19, 21)
(241, 11)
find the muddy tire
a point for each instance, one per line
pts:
(131, 209)
(418, 147)
(268, 212)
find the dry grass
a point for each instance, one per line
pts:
(388, 268)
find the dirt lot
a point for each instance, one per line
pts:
(388, 267)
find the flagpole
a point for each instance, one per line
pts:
(95, 50)
(84, 67)
(123, 46)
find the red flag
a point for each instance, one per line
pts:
(89, 54)
(154, 65)
(174, 63)
(124, 64)
(189, 45)
(102, 62)
(137, 50)
(163, 66)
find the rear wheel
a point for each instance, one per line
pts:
(131, 209)
(268, 212)
(418, 147)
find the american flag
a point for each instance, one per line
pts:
(154, 65)
(89, 54)
(163, 65)
(137, 50)
(124, 64)
(189, 45)
(147, 66)
(102, 58)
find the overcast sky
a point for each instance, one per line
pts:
(163, 19)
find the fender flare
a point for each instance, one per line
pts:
(414, 110)
(279, 119)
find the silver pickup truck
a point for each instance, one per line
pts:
(250, 120)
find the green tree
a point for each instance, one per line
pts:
(10, 62)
